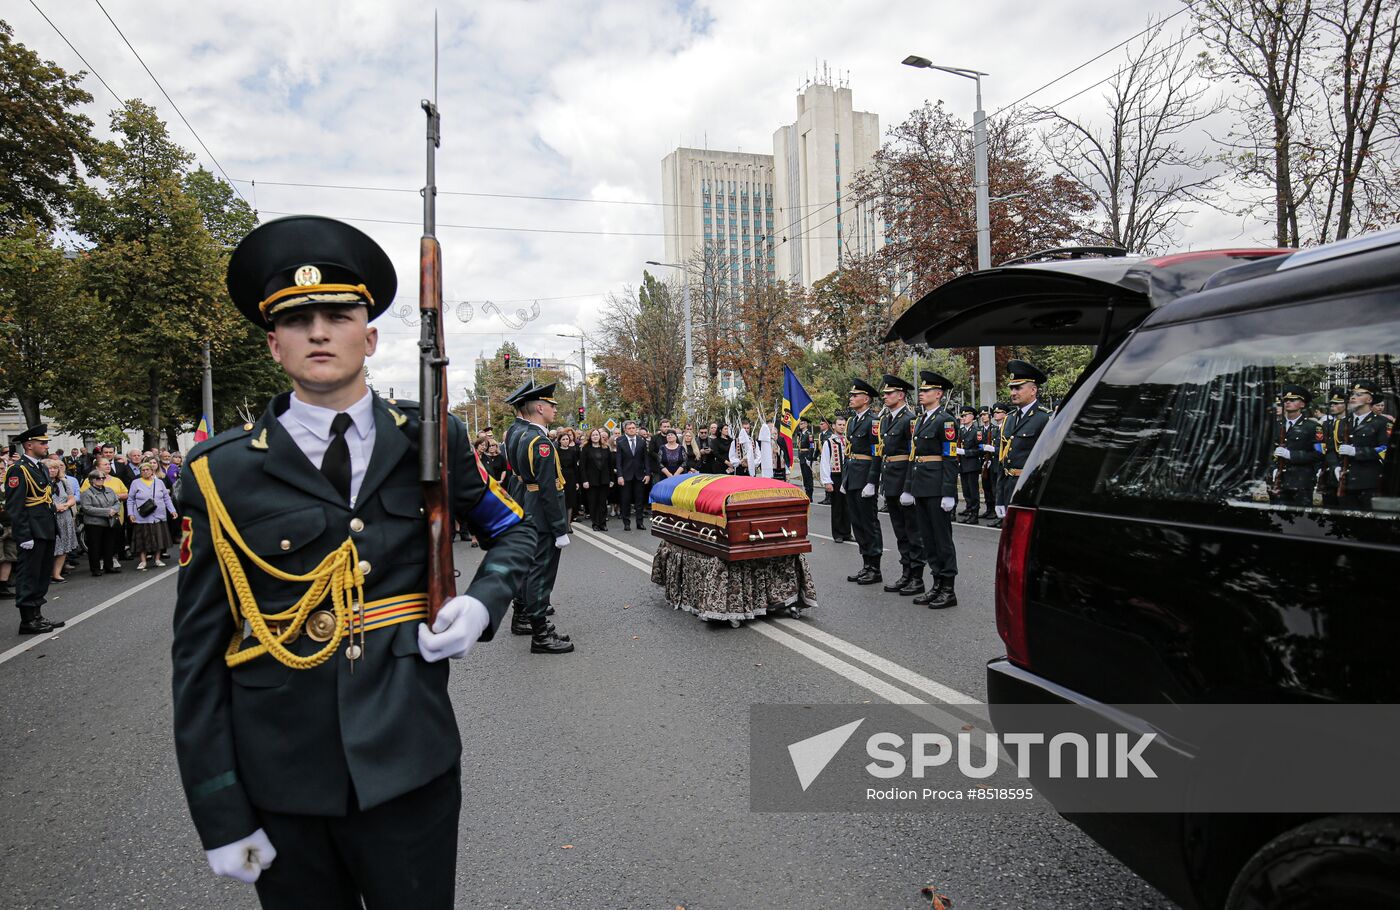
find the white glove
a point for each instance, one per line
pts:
(906, 499)
(1001, 511)
(27, 545)
(1282, 452)
(988, 448)
(561, 541)
(1337, 472)
(1345, 448)
(962, 451)
(245, 859)
(458, 626)
(867, 491)
(947, 503)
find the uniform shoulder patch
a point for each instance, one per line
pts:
(13, 481)
(950, 432)
(543, 450)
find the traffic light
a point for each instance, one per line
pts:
(505, 360)
(580, 413)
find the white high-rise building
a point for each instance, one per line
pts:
(721, 204)
(814, 160)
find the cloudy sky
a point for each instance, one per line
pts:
(549, 98)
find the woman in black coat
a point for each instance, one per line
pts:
(569, 464)
(596, 473)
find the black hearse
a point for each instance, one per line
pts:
(1144, 559)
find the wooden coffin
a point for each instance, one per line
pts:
(730, 517)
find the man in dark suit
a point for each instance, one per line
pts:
(633, 475)
(29, 504)
(862, 474)
(319, 752)
(1362, 455)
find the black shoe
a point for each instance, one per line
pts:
(934, 586)
(115, 571)
(825, 502)
(35, 626)
(894, 586)
(96, 573)
(626, 526)
(996, 522)
(6, 592)
(548, 611)
(519, 624)
(915, 585)
(547, 640)
(57, 581)
(869, 576)
(989, 514)
(944, 598)
(858, 574)
(56, 623)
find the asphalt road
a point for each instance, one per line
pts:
(614, 777)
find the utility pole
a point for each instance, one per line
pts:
(207, 390)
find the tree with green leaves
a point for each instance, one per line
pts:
(642, 347)
(43, 139)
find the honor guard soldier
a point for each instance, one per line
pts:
(535, 464)
(317, 745)
(1300, 449)
(1367, 435)
(970, 457)
(893, 448)
(932, 487)
(29, 505)
(862, 474)
(1332, 429)
(988, 451)
(994, 471)
(1025, 422)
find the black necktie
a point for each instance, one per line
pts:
(336, 464)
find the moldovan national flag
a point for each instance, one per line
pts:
(201, 432)
(796, 402)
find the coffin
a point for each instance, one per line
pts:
(734, 518)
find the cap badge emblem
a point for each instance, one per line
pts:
(307, 275)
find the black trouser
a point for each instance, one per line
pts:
(632, 496)
(865, 523)
(539, 580)
(906, 535)
(102, 546)
(805, 464)
(1358, 500)
(402, 853)
(598, 504)
(1300, 497)
(840, 521)
(969, 491)
(33, 572)
(989, 490)
(936, 528)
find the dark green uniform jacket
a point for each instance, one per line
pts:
(934, 434)
(29, 501)
(895, 433)
(970, 440)
(861, 467)
(1305, 442)
(314, 741)
(531, 455)
(1022, 432)
(1363, 472)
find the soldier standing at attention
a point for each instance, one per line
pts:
(970, 438)
(29, 505)
(1027, 420)
(932, 488)
(1332, 436)
(862, 474)
(894, 470)
(317, 745)
(992, 422)
(535, 463)
(1301, 450)
(1362, 455)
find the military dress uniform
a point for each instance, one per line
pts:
(534, 464)
(29, 505)
(1304, 441)
(970, 438)
(303, 706)
(862, 469)
(991, 467)
(1369, 435)
(893, 448)
(933, 479)
(1022, 428)
(1332, 430)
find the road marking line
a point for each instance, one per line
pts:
(618, 544)
(888, 667)
(17, 650)
(851, 672)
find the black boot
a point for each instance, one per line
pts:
(915, 584)
(51, 623)
(996, 522)
(901, 582)
(945, 597)
(863, 569)
(870, 575)
(6, 591)
(519, 622)
(31, 623)
(989, 513)
(970, 519)
(546, 639)
(935, 584)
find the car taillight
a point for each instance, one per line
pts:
(1013, 551)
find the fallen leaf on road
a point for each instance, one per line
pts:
(967, 726)
(936, 900)
(567, 847)
(635, 637)
(758, 665)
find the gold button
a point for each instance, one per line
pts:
(320, 626)
(353, 652)
(364, 567)
(285, 544)
(247, 426)
(357, 525)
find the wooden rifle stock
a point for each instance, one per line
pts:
(433, 465)
(1346, 459)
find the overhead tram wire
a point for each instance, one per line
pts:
(181, 114)
(492, 227)
(1157, 25)
(1118, 72)
(90, 68)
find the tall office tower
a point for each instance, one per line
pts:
(814, 160)
(721, 204)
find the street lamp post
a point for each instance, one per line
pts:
(986, 355)
(583, 364)
(689, 350)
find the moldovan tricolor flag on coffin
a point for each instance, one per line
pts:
(796, 402)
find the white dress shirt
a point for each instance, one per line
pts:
(309, 426)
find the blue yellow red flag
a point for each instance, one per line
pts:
(201, 432)
(796, 403)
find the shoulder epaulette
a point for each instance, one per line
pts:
(1042, 409)
(238, 431)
